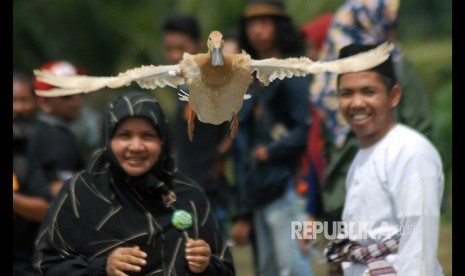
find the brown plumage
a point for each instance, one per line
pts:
(216, 92)
(217, 82)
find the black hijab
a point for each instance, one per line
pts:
(137, 104)
(103, 208)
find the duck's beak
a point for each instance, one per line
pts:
(217, 57)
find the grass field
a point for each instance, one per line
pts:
(244, 266)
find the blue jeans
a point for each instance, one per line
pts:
(278, 254)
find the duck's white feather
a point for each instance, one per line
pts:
(216, 93)
(272, 68)
(148, 77)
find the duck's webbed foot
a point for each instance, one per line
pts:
(234, 126)
(190, 125)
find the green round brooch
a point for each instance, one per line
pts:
(181, 219)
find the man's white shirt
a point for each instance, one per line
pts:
(396, 186)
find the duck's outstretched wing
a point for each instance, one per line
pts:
(355, 63)
(270, 69)
(267, 70)
(148, 77)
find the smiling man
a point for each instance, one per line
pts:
(395, 182)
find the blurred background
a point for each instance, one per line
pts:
(106, 37)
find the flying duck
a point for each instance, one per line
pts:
(217, 82)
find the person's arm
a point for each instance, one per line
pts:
(417, 198)
(52, 263)
(32, 200)
(297, 94)
(30, 207)
(53, 257)
(52, 162)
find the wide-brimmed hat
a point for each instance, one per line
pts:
(264, 8)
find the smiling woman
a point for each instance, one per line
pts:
(136, 145)
(131, 192)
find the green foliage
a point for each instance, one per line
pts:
(432, 59)
(421, 18)
(108, 36)
(442, 114)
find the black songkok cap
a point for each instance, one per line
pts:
(386, 68)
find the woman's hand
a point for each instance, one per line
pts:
(198, 255)
(125, 259)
